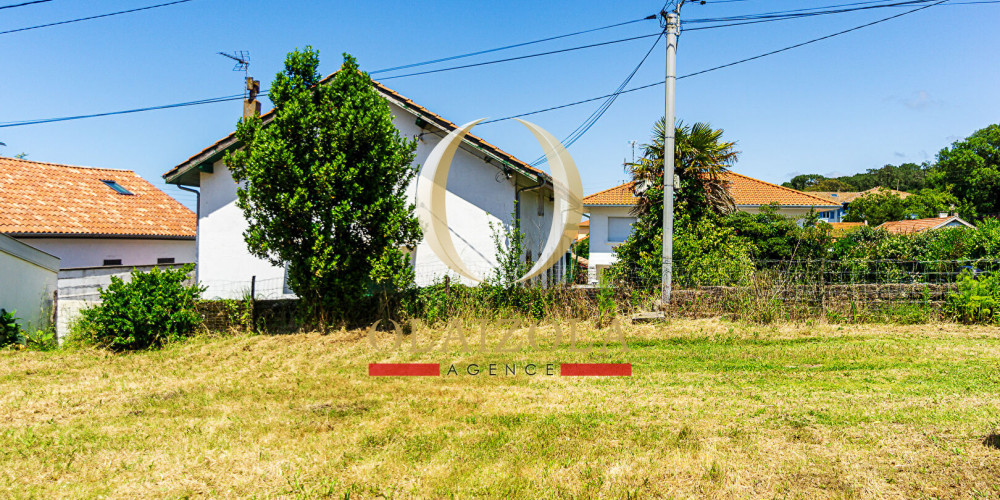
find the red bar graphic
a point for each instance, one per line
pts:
(595, 369)
(404, 370)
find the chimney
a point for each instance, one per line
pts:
(251, 106)
(942, 215)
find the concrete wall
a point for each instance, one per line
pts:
(92, 252)
(476, 197)
(27, 280)
(79, 289)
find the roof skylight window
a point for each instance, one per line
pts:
(117, 187)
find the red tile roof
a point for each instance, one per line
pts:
(744, 190)
(46, 198)
(618, 195)
(448, 126)
(918, 225)
(749, 191)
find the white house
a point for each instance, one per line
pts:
(611, 215)
(483, 184)
(28, 277)
(93, 217)
(611, 222)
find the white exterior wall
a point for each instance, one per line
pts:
(27, 279)
(601, 249)
(474, 199)
(91, 252)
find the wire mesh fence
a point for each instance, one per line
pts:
(688, 275)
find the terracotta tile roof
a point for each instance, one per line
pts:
(849, 196)
(448, 126)
(749, 191)
(585, 223)
(918, 225)
(744, 190)
(618, 195)
(46, 198)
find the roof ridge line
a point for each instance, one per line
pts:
(824, 200)
(64, 165)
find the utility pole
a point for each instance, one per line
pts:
(673, 26)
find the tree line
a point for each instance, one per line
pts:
(965, 174)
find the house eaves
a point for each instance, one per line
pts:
(187, 173)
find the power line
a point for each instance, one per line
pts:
(123, 112)
(23, 4)
(587, 124)
(527, 56)
(94, 17)
(522, 44)
(716, 68)
(544, 110)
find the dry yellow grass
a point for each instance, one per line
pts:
(713, 409)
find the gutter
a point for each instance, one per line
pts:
(197, 225)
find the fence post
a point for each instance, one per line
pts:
(447, 292)
(253, 301)
(55, 313)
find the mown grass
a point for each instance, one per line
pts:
(713, 409)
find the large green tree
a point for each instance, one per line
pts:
(884, 205)
(323, 186)
(970, 169)
(701, 160)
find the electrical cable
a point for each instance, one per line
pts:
(587, 124)
(544, 110)
(716, 68)
(122, 112)
(23, 4)
(527, 56)
(94, 17)
(497, 49)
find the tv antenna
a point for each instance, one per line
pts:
(242, 58)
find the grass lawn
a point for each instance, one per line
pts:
(713, 409)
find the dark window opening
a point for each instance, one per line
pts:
(117, 187)
(165, 260)
(112, 262)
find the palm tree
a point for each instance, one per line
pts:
(701, 160)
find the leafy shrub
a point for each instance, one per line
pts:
(41, 340)
(10, 332)
(148, 311)
(977, 299)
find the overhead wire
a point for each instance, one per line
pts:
(551, 108)
(587, 124)
(527, 56)
(99, 16)
(22, 4)
(721, 66)
(512, 46)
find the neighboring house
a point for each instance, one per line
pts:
(611, 222)
(93, 217)
(920, 225)
(611, 212)
(483, 184)
(28, 278)
(751, 194)
(584, 230)
(844, 199)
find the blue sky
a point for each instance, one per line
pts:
(895, 92)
